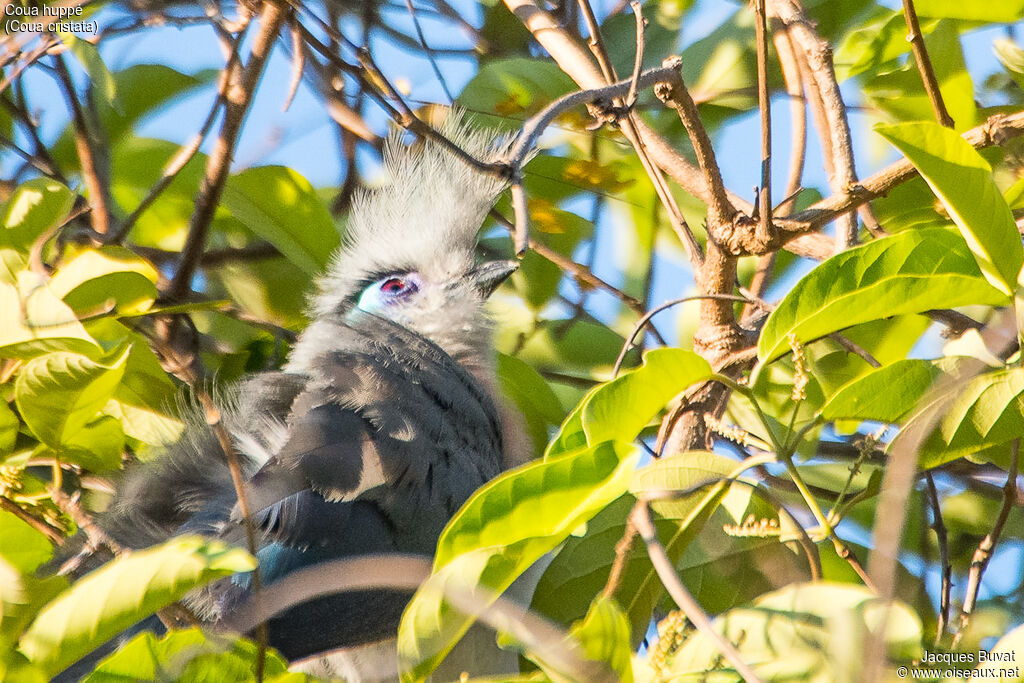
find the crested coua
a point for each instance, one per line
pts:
(383, 421)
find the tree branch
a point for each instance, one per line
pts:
(239, 86)
(924, 65)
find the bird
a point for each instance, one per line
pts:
(384, 419)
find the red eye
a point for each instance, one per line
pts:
(394, 285)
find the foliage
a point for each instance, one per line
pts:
(773, 422)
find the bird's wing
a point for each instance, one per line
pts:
(403, 428)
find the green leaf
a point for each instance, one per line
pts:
(624, 406)
(910, 272)
(21, 546)
(515, 88)
(900, 92)
(144, 399)
(1006, 650)
(33, 321)
(604, 634)
(1005, 11)
(502, 529)
(1012, 57)
(280, 206)
(962, 180)
(273, 289)
(35, 207)
(187, 655)
(810, 631)
(720, 68)
(15, 668)
(984, 411)
(59, 393)
(702, 473)
(722, 570)
(97, 447)
(621, 408)
(122, 592)
(885, 395)
(143, 89)
(581, 567)
(138, 164)
(89, 57)
(9, 424)
(532, 395)
(95, 279)
(874, 44)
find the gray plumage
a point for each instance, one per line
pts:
(384, 419)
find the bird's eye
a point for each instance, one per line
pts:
(389, 291)
(395, 285)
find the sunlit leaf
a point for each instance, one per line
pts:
(280, 206)
(8, 429)
(620, 409)
(61, 393)
(793, 633)
(21, 546)
(901, 94)
(36, 206)
(109, 277)
(1005, 11)
(604, 634)
(34, 321)
(972, 415)
(884, 395)
(188, 655)
(962, 180)
(114, 597)
(909, 272)
(502, 529)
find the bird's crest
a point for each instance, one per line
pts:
(424, 217)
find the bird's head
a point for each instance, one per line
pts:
(409, 251)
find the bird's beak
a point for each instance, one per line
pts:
(486, 277)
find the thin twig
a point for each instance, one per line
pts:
(92, 173)
(19, 112)
(983, 554)
(631, 129)
(580, 272)
(641, 518)
(638, 58)
(646, 319)
(535, 126)
(854, 348)
(427, 51)
(764, 105)
(55, 536)
(818, 57)
(298, 61)
(240, 85)
(623, 549)
(674, 93)
(797, 115)
(212, 415)
(942, 539)
(384, 93)
(31, 59)
(174, 166)
(924, 65)
(597, 42)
